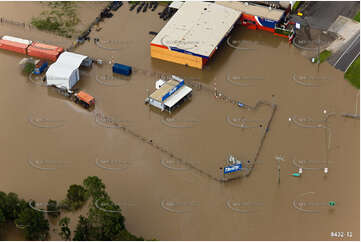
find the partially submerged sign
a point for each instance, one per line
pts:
(232, 168)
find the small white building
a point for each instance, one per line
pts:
(64, 73)
(169, 94)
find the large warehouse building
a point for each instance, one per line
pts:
(193, 34)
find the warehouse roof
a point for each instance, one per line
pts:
(197, 27)
(253, 9)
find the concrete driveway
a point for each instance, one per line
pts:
(320, 15)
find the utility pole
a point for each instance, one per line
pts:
(279, 159)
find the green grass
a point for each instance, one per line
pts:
(164, 3)
(296, 5)
(353, 73)
(324, 55)
(357, 17)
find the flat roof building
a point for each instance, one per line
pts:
(193, 34)
(169, 94)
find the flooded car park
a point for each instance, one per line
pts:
(49, 142)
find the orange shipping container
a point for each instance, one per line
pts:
(13, 46)
(47, 47)
(43, 53)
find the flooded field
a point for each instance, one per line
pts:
(49, 143)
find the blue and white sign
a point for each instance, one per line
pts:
(229, 169)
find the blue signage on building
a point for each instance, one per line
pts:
(180, 84)
(229, 169)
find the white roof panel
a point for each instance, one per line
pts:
(197, 27)
(177, 96)
(254, 9)
(71, 59)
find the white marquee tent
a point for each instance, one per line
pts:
(64, 73)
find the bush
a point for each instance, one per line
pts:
(353, 73)
(357, 17)
(29, 68)
(296, 5)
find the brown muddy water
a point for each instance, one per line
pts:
(49, 143)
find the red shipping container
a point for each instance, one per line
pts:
(43, 53)
(13, 46)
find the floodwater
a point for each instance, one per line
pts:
(49, 143)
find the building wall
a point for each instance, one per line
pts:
(164, 53)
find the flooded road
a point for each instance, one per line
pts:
(49, 143)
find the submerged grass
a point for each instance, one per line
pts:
(60, 19)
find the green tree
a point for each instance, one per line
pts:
(77, 196)
(106, 219)
(36, 227)
(65, 231)
(2, 222)
(95, 187)
(83, 229)
(52, 208)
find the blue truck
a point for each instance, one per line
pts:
(40, 67)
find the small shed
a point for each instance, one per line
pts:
(64, 73)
